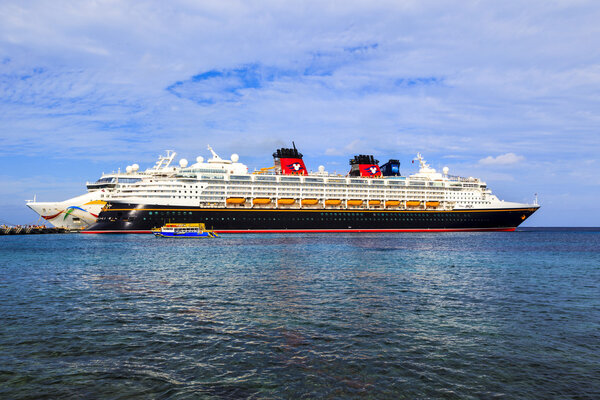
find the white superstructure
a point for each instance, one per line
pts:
(221, 183)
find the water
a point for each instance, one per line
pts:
(452, 315)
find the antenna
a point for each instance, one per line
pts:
(215, 156)
(294, 145)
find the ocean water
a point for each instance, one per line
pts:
(394, 316)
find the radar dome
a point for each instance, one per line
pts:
(321, 168)
(183, 163)
(199, 159)
(129, 169)
(235, 157)
(445, 170)
(135, 167)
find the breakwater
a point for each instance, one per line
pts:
(29, 230)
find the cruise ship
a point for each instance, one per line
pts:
(286, 198)
(81, 211)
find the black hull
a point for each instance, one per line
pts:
(134, 218)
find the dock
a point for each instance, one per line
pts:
(29, 230)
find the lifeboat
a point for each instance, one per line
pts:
(355, 202)
(374, 202)
(235, 200)
(286, 202)
(309, 202)
(392, 203)
(333, 202)
(261, 200)
(433, 204)
(413, 203)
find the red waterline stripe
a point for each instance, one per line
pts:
(365, 230)
(336, 230)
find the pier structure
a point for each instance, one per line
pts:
(29, 230)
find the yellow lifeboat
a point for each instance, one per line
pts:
(309, 202)
(333, 202)
(374, 202)
(413, 203)
(433, 204)
(235, 200)
(355, 202)
(392, 203)
(286, 202)
(261, 200)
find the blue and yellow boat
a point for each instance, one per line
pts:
(184, 231)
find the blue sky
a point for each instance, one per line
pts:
(505, 91)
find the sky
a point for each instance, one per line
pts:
(508, 92)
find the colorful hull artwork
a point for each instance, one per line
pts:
(71, 216)
(68, 212)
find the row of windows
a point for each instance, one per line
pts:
(341, 214)
(329, 218)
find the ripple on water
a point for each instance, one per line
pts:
(456, 315)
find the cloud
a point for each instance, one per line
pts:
(503, 159)
(115, 82)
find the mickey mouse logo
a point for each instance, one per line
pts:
(372, 170)
(295, 167)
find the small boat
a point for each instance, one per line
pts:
(286, 202)
(236, 200)
(261, 201)
(309, 202)
(184, 231)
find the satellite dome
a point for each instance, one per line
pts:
(321, 168)
(199, 159)
(235, 157)
(446, 169)
(129, 169)
(183, 163)
(135, 167)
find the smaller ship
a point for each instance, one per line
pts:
(81, 211)
(184, 231)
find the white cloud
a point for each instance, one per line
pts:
(90, 80)
(503, 159)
